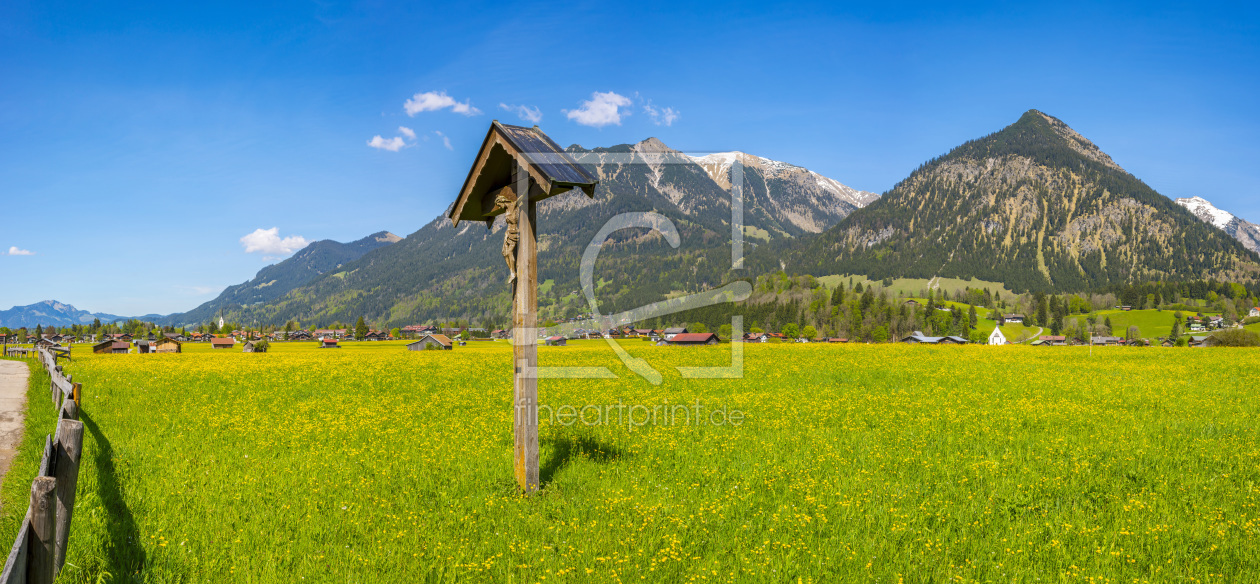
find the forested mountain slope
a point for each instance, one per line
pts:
(1036, 206)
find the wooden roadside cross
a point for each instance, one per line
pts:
(516, 168)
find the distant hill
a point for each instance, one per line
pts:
(58, 314)
(1036, 206)
(1246, 232)
(444, 272)
(276, 280)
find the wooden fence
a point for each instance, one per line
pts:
(39, 551)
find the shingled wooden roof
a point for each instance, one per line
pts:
(550, 169)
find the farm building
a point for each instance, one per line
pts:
(109, 347)
(329, 344)
(168, 345)
(837, 340)
(1108, 341)
(222, 343)
(143, 346)
(695, 339)
(431, 341)
(1053, 340)
(997, 337)
(557, 341)
(252, 347)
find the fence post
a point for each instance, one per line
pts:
(39, 568)
(69, 410)
(69, 449)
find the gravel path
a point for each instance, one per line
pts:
(13, 375)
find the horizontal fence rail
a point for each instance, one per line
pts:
(39, 552)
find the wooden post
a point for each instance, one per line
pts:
(69, 410)
(525, 346)
(69, 450)
(40, 564)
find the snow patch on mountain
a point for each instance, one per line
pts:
(1244, 231)
(1206, 211)
(718, 166)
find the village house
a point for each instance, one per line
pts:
(695, 339)
(1255, 313)
(431, 341)
(557, 341)
(1013, 318)
(671, 332)
(46, 344)
(1053, 340)
(1108, 341)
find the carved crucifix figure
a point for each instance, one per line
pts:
(507, 204)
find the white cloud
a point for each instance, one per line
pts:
(527, 113)
(661, 116)
(432, 101)
(601, 110)
(393, 144)
(14, 250)
(268, 241)
(446, 140)
(408, 132)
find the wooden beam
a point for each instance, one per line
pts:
(525, 342)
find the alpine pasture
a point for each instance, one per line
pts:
(850, 463)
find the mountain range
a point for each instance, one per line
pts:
(52, 312)
(1035, 205)
(445, 272)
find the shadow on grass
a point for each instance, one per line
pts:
(124, 554)
(566, 448)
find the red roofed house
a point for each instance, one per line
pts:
(694, 339)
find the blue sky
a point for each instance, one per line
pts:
(140, 144)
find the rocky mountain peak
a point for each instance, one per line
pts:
(1077, 142)
(652, 146)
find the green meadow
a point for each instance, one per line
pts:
(850, 463)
